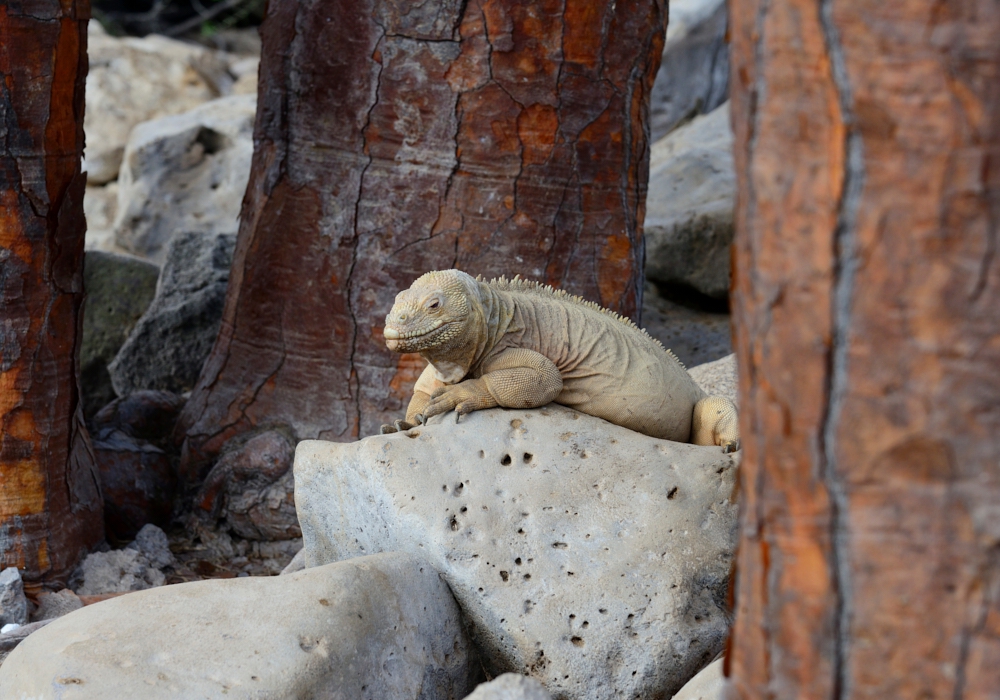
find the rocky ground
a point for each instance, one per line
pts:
(169, 141)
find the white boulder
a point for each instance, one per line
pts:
(689, 208)
(372, 628)
(585, 555)
(185, 173)
(132, 80)
(709, 684)
(511, 686)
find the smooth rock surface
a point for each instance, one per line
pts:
(186, 172)
(694, 72)
(587, 556)
(372, 629)
(13, 604)
(132, 80)
(117, 571)
(718, 378)
(709, 684)
(689, 208)
(511, 686)
(119, 289)
(172, 339)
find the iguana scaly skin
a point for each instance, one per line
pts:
(521, 344)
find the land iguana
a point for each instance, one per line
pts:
(521, 344)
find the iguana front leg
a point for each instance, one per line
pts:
(516, 378)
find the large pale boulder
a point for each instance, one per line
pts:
(689, 208)
(694, 71)
(132, 80)
(186, 172)
(511, 686)
(585, 555)
(709, 684)
(372, 628)
(172, 339)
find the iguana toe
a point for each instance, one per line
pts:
(731, 447)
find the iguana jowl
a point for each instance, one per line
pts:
(521, 344)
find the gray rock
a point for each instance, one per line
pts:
(511, 686)
(695, 336)
(172, 339)
(718, 378)
(186, 172)
(133, 80)
(119, 289)
(694, 72)
(117, 571)
(53, 605)
(372, 628)
(709, 684)
(13, 604)
(689, 208)
(152, 542)
(100, 202)
(585, 555)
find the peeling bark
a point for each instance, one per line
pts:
(50, 505)
(866, 297)
(496, 136)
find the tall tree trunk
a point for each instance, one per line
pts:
(50, 505)
(394, 138)
(867, 316)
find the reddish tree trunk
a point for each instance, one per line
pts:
(867, 316)
(392, 138)
(50, 505)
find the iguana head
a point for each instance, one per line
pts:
(434, 314)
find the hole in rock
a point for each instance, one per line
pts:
(577, 641)
(506, 460)
(528, 457)
(518, 561)
(211, 140)
(672, 493)
(504, 575)
(412, 433)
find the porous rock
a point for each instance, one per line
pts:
(717, 378)
(511, 686)
(172, 339)
(152, 542)
(185, 172)
(13, 604)
(132, 80)
(709, 684)
(119, 289)
(689, 208)
(694, 72)
(117, 571)
(585, 555)
(57, 604)
(371, 628)
(252, 487)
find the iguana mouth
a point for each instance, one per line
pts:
(396, 340)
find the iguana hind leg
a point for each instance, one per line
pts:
(716, 422)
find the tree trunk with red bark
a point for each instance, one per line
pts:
(394, 138)
(50, 505)
(867, 316)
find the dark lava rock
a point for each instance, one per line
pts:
(252, 487)
(119, 289)
(172, 339)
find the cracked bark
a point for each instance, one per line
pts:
(50, 505)
(865, 297)
(497, 136)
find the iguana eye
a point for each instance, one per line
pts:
(434, 304)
